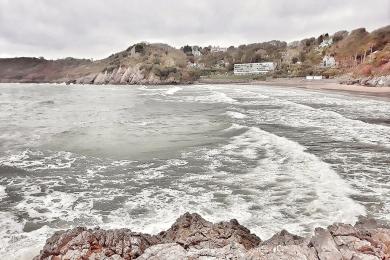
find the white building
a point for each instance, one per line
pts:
(326, 43)
(314, 77)
(329, 61)
(218, 49)
(196, 52)
(253, 68)
(196, 65)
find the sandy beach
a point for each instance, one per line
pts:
(329, 85)
(322, 85)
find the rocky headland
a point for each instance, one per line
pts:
(140, 64)
(192, 237)
(362, 56)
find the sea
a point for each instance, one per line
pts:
(138, 157)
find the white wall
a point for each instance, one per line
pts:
(253, 68)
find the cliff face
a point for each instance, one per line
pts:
(139, 64)
(192, 237)
(124, 76)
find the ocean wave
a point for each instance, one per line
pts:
(176, 162)
(335, 124)
(3, 193)
(173, 90)
(37, 160)
(277, 183)
(18, 245)
(236, 115)
(213, 97)
(313, 191)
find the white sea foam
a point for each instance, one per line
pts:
(287, 187)
(56, 204)
(213, 97)
(233, 127)
(3, 193)
(236, 115)
(333, 123)
(18, 245)
(309, 188)
(121, 163)
(100, 168)
(176, 162)
(173, 90)
(149, 88)
(36, 160)
(144, 123)
(161, 208)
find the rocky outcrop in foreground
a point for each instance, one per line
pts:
(192, 237)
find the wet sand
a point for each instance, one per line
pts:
(321, 85)
(328, 85)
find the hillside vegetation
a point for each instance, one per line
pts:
(140, 64)
(358, 53)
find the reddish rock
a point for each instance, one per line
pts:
(191, 230)
(192, 237)
(81, 243)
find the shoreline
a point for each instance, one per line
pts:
(328, 85)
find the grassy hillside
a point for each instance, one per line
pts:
(358, 52)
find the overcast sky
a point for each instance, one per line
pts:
(97, 28)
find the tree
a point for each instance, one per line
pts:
(139, 48)
(187, 49)
(320, 39)
(302, 57)
(338, 36)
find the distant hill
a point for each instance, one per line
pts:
(358, 53)
(139, 64)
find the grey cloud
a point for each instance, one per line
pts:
(96, 28)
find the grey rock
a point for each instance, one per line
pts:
(191, 230)
(192, 237)
(291, 252)
(374, 81)
(284, 238)
(170, 251)
(325, 245)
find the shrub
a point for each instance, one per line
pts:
(139, 48)
(187, 49)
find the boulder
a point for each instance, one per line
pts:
(325, 245)
(284, 238)
(82, 243)
(291, 252)
(192, 237)
(191, 230)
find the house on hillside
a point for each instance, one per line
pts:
(217, 49)
(326, 43)
(309, 77)
(196, 52)
(195, 65)
(254, 68)
(329, 61)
